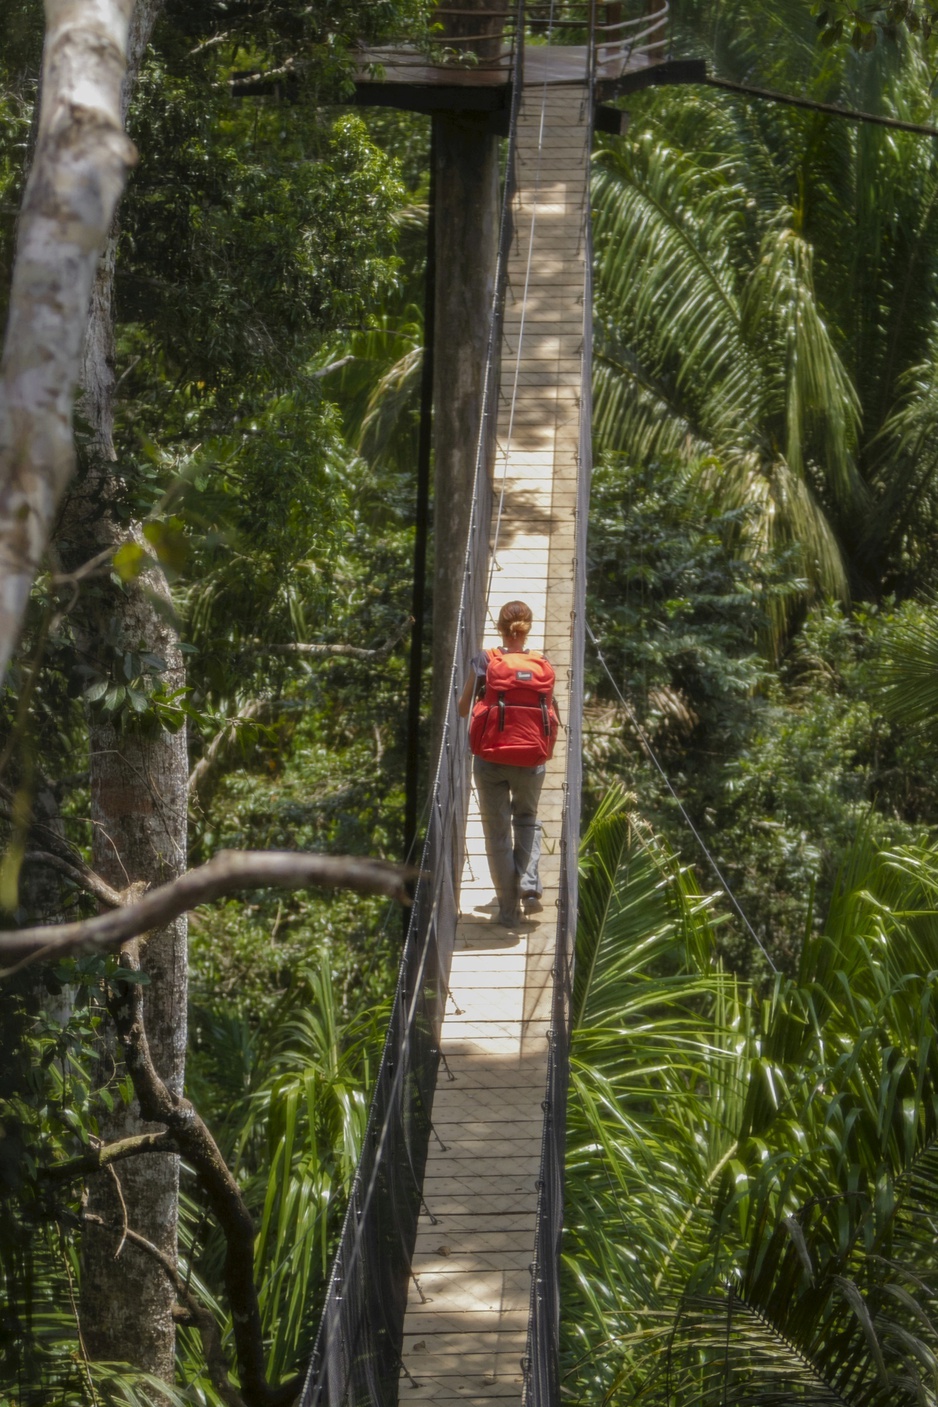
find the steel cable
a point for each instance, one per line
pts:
(685, 815)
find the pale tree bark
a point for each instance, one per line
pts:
(138, 781)
(80, 164)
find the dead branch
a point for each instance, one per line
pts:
(228, 872)
(354, 652)
(203, 773)
(197, 1146)
(109, 1153)
(332, 366)
(78, 872)
(190, 1311)
(61, 855)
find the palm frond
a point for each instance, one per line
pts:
(781, 1143)
(812, 388)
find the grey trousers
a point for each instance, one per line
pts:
(508, 798)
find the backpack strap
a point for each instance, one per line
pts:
(480, 678)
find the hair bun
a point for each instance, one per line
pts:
(515, 618)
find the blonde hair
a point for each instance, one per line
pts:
(515, 619)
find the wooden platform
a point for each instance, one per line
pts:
(467, 1316)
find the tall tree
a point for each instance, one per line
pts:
(81, 160)
(138, 779)
(759, 296)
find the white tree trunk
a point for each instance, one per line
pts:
(80, 165)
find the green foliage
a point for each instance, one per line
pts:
(20, 47)
(288, 1106)
(750, 1172)
(864, 24)
(779, 764)
(259, 239)
(908, 669)
(765, 286)
(274, 231)
(49, 1109)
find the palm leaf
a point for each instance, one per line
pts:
(782, 1143)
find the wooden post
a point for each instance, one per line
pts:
(466, 246)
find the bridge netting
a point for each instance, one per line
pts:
(356, 1361)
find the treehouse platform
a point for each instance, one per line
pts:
(472, 61)
(467, 1320)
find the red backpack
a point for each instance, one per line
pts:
(514, 722)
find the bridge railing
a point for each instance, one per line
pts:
(468, 43)
(356, 1359)
(476, 44)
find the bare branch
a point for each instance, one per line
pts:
(98, 565)
(62, 856)
(228, 872)
(79, 873)
(354, 652)
(251, 83)
(208, 43)
(333, 366)
(203, 773)
(108, 1153)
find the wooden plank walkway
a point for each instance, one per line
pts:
(467, 1316)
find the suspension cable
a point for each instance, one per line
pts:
(653, 758)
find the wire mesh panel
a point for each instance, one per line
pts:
(542, 1375)
(356, 1359)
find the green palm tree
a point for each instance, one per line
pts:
(765, 296)
(298, 1107)
(752, 1173)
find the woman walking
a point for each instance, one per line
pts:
(512, 734)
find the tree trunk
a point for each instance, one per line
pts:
(81, 160)
(138, 811)
(466, 248)
(139, 793)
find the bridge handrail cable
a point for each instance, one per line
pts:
(542, 1363)
(355, 1360)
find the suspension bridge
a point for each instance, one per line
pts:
(445, 1284)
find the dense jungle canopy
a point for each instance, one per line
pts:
(215, 657)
